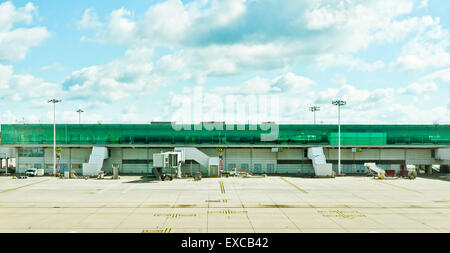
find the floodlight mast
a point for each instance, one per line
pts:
(339, 103)
(314, 109)
(54, 101)
(79, 115)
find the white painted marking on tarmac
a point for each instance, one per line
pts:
(129, 188)
(108, 188)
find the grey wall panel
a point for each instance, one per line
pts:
(30, 162)
(291, 154)
(48, 155)
(238, 153)
(115, 157)
(239, 157)
(211, 152)
(288, 168)
(368, 154)
(392, 154)
(263, 154)
(195, 168)
(81, 155)
(346, 154)
(134, 168)
(419, 156)
(135, 154)
(152, 151)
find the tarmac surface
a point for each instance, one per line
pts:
(231, 205)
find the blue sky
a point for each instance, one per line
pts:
(140, 61)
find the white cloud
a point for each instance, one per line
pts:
(427, 49)
(27, 88)
(256, 85)
(89, 20)
(427, 84)
(355, 97)
(165, 22)
(331, 60)
(129, 113)
(55, 67)
(353, 25)
(419, 54)
(379, 105)
(173, 22)
(423, 4)
(199, 63)
(285, 83)
(15, 42)
(294, 84)
(419, 88)
(439, 76)
(117, 80)
(214, 38)
(120, 28)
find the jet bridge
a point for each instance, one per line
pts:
(175, 159)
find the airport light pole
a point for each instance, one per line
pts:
(314, 109)
(54, 101)
(339, 103)
(79, 115)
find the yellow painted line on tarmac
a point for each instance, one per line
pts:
(227, 211)
(157, 231)
(298, 188)
(343, 215)
(175, 215)
(23, 186)
(222, 188)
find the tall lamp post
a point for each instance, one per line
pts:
(54, 101)
(79, 115)
(314, 109)
(339, 103)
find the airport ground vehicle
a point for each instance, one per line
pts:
(31, 172)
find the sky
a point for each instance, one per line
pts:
(225, 60)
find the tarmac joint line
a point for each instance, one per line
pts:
(398, 186)
(343, 214)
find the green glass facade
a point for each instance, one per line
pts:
(154, 134)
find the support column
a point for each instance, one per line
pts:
(17, 159)
(276, 162)
(251, 160)
(70, 163)
(445, 169)
(428, 169)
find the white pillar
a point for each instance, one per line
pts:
(339, 144)
(54, 138)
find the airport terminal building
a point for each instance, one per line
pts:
(240, 146)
